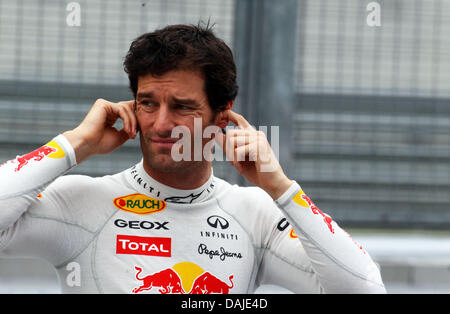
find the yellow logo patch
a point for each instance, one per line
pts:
(59, 151)
(139, 204)
(299, 200)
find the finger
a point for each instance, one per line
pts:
(238, 119)
(129, 103)
(242, 140)
(115, 138)
(123, 114)
(239, 137)
(128, 107)
(123, 138)
(220, 139)
(240, 132)
(243, 137)
(256, 150)
(226, 143)
(247, 152)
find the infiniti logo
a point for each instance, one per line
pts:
(215, 221)
(220, 223)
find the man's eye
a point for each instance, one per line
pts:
(146, 103)
(182, 107)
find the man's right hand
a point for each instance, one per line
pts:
(96, 134)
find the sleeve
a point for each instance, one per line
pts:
(24, 228)
(325, 260)
(284, 261)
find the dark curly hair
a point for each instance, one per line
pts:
(185, 47)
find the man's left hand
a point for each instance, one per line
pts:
(250, 153)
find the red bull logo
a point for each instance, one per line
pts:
(356, 243)
(327, 219)
(303, 200)
(166, 280)
(207, 283)
(184, 278)
(51, 149)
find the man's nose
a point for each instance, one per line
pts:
(163, 123)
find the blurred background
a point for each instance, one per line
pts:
(360, 92)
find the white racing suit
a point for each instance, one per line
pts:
(127, 233)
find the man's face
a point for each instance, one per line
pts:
(164, 102)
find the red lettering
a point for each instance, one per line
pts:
(143, 245)
(316, 211)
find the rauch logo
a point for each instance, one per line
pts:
(139, 204)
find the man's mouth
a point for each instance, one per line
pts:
(163, 143)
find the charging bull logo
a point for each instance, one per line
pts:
(207, 283)
(167, 280)
(303, 200)
(51, 149)
(184, 277)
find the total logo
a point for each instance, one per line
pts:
(139, 204)
(51, 150)
(151, 246)
(185, 278)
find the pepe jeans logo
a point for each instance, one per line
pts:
(221, 253)
(216, 221)
(139, 204)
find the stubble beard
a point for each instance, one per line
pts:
(162, 160)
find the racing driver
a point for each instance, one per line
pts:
(168, 225)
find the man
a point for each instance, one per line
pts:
(167, 226)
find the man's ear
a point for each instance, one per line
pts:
(222, 119)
